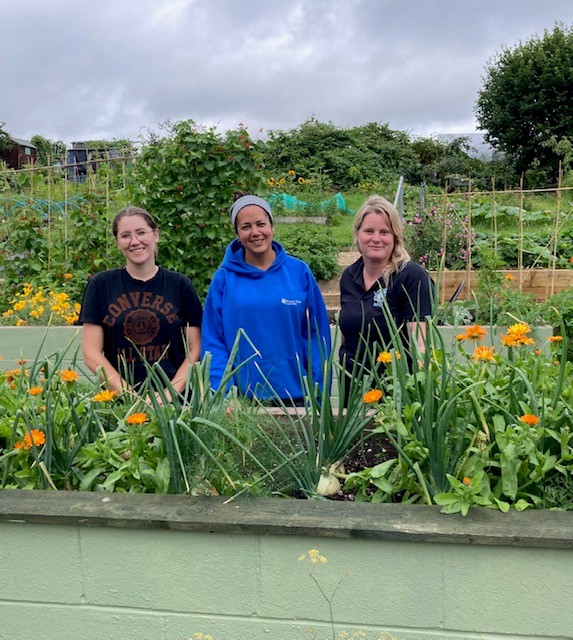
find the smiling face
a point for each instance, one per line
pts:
(255, 232)
(137, 240)
(375, 239)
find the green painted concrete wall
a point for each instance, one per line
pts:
(76, 568)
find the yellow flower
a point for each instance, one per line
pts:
(20, 322)
(372, 396)
(301, 180)
(105, 396)
(508, 276)
(8, 313)
(35, 391)
(68, 276)
(529, 419)
(483, 353)
(520, 328)
(69, 376)
(19, 306)
(292, 172)
(137, 418)
(385, 357)
(460, 337)
(555, 338)
(397, 355)
(271, 182)
(314, 557)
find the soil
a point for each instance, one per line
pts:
(373, 451)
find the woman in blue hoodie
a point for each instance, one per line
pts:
(275, 300)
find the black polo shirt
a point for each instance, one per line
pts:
(409, 296)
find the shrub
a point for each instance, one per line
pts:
(186, 180)
(313, 244)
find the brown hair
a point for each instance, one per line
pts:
(381, 206)
(133, 211)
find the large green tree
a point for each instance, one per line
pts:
(527, 99)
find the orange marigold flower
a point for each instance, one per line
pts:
(105, 396)
(475, 332)
(35, 436)
(69, 376)
(483, 353)
(508, 276)
(460, 337)
(68, 276)
(537, 352)
(385, 357)
(510, 341)
(555, 338)
(372, 396)
(35, 391)
(529, 419)
(467, 480)
(137, 418)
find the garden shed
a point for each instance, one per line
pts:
(19, 154)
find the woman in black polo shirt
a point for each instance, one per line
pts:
(383, 272)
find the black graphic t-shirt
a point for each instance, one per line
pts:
(142, 319)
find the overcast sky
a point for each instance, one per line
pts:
(74, 70)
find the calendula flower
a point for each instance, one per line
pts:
(555, 338)
(516, 335)
(372, 396)
(68, 276)
(483, 353)
(35, 391)
(467, 481)
(34, 436)
(529, 419)
(105, 396)
(137, 418)
(520, 328)
(537, 352)
(385, 357)
(292, 172)
(475, 332)
(508, 276)
(460, 337)
(69, 376)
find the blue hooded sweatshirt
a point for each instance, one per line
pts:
(276, 309)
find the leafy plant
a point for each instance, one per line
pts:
(314, 245)
(186, 179)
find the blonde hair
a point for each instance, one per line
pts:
(381, 206)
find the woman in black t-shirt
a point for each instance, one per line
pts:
(383, 272)
(140, 312)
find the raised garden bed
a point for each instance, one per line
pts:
(79, 566)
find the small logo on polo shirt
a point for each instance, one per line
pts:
(378, 297)
(290, 302)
